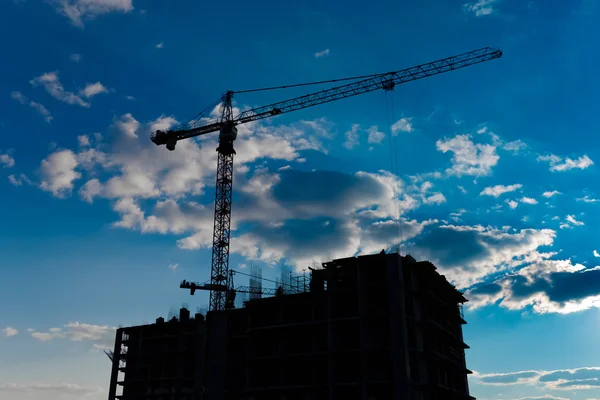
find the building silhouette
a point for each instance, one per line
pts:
(371, 327)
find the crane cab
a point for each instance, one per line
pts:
(227, 135)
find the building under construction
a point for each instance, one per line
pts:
(371, 327)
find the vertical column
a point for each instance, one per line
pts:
(247, 346)
(396, 292)
(216, 355)
(330, 341)
(200, 358)
(114, 375)
(362, 312)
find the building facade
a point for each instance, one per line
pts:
(161, 361)
(377, 327)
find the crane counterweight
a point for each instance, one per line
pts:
(226, 126)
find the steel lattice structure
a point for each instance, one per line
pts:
(228, 133)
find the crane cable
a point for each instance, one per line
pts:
(311, 83)
(202, 113)
(399, 232)
(394, 167)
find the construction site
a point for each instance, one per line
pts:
(372, 327)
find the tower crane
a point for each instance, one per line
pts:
(226, 126)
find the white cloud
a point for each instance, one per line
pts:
(284, 213)
(528, 200)
(10, 331)
(75, 57)
(52, 84)
(480, 7)
(462, 189)
(141, 169)
(92, 89)
(163, 123)
(560, 380)
(468, 158)
(512, 204)
(6, 160)
(514, 146)
(79, 10)
(588, 199)
(375, 136)
(45, 390)
(83, 140)
(402, 125)
(130, 98)
(596, 254)
(102, 336)
(499, 190)
(456, 215)
(352, 137)
(571, 219)
(558, 164)
(173, 267)
(551, 193)
(547, 286)
(19, 180)
(128, 125)
(160, 45)
(357, 215)
(436, 198)
(58, 173)
(466, 254)
(322, 53)
(43, 111)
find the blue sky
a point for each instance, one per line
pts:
(495, 179)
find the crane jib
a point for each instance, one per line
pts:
(386, 81)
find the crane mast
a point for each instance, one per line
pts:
(226, 127)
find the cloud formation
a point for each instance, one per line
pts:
(102, 336)
(43, 389)
(58, 173)
(468, 158)
(6, 160)
(322, 53)
(19, 180)
(570, 222)
(528, 200)
(499, 190)
(51, 83)
(564, 379)
(558, 164)
(402, 125)
(78, 11)
(93, 89)
(480, 8)
(43, 111)
(10, 331)
(588, 199)
(467, 254)
(545, 286)
(295, 215)
(550, 194)
(375, 135)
